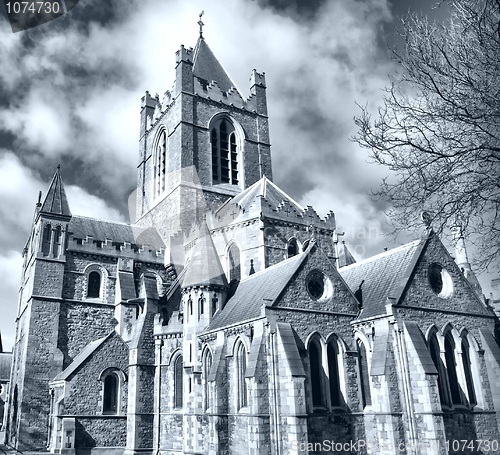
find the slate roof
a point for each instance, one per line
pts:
(56, 201)
(5, 364)
(384, 275)
(261, 288)
(204, 267)
(81, 358)
(81, 227)
(208, 68)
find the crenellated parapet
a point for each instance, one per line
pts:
(184, 54)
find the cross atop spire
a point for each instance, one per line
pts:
(201, 24)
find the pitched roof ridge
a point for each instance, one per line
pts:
(289, 198)
(383, 254)
(83, 355)
(261, 188)
(277, 265)
(123, 223)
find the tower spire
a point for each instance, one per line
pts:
(462, 259)
(56, 201)
(201, 24)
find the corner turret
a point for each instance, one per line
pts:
(462, 260)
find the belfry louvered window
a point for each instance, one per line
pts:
(160, 164)
(224, 153)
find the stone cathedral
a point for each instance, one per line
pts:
(229, 319)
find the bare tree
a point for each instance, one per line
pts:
(439, 127)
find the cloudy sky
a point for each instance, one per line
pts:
(70, 93)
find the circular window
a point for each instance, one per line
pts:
(440, 280)
(318, 285)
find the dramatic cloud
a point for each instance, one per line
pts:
(19, 187)
(70, 93)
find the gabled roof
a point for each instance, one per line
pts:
(204, 266)
(385, 275)
(56, 201)
(267, 190)
(208, 68)
(261, 197)
(81, 358)
(261, 288)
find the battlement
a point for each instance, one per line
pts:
(286, 211)
(257, 78)
(88, 235)
(184, 55)
(160, 109)
(148, 101)
(109, 247)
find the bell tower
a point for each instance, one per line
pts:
(200, 145)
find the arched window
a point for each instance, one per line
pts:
(201, 304)
(364, 375)
(234, 263)
(46, 239)
(215, 301)
(94, 285)
(56, 246)
(436, 358)
(333, 374)
(468, 371)
(207, 364)
(110, 401)
(178, 379)
(449, 349)
(241, 366)
(293, 248)
(160, 163)
(224, 153)
(189, 308)
(316, 370)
